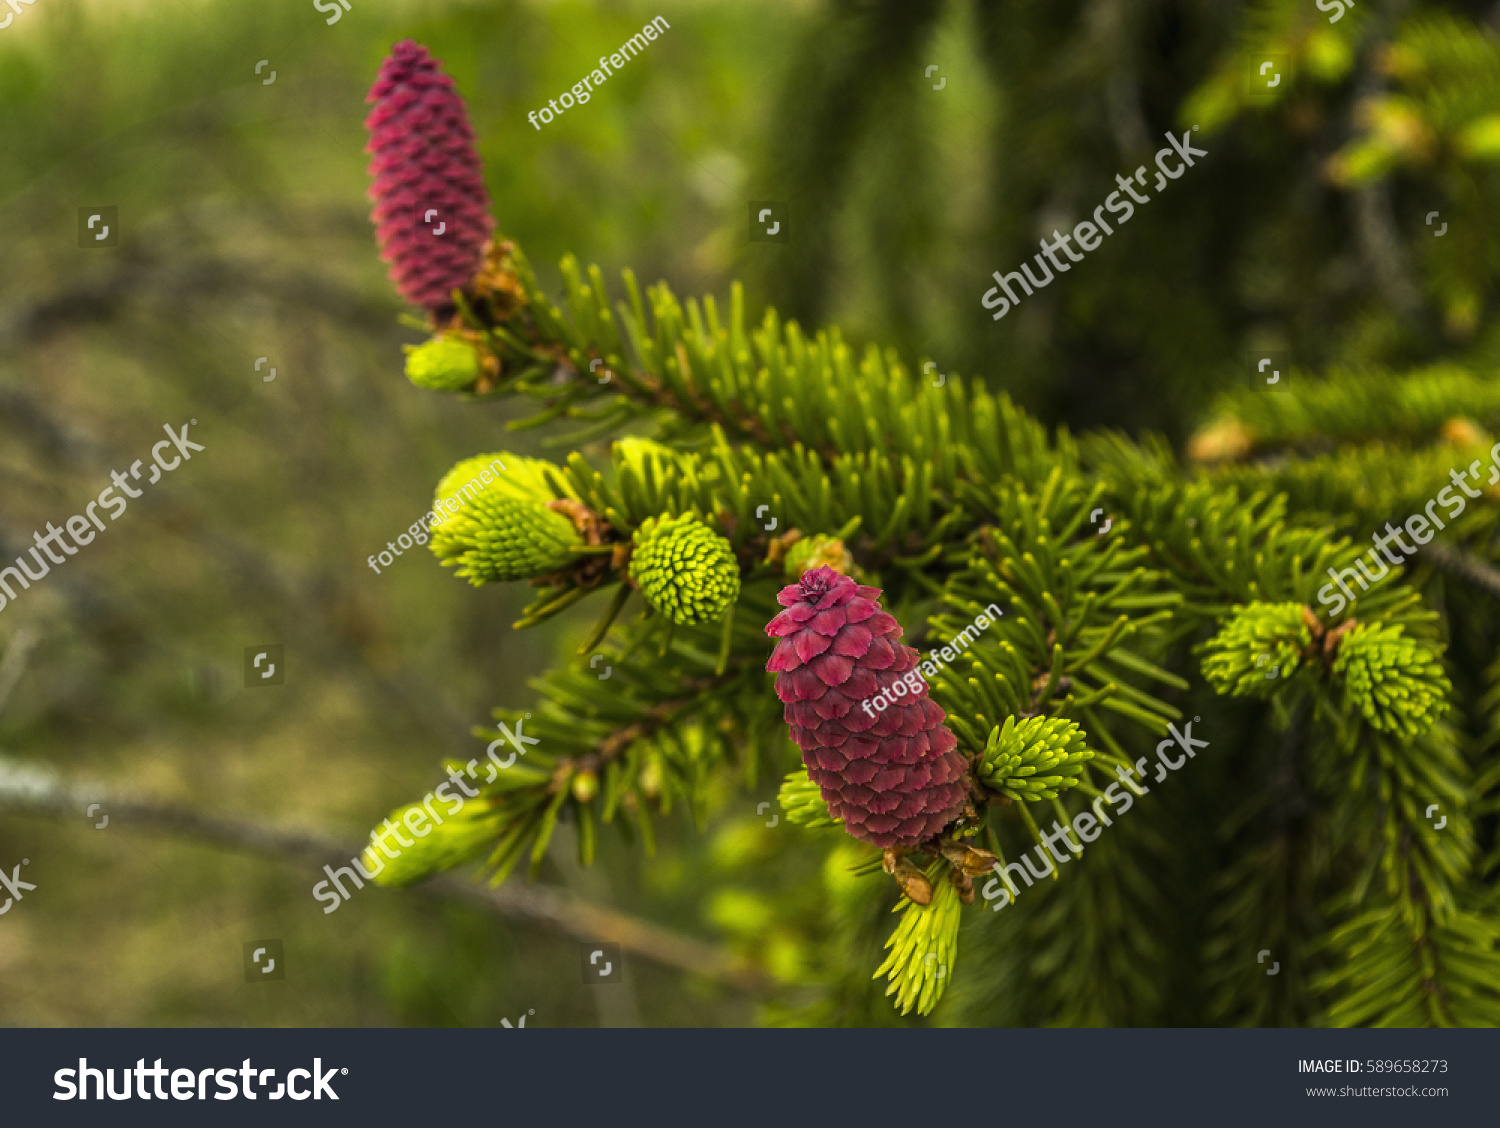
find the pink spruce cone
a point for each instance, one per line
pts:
(424, 161)
(892, 776)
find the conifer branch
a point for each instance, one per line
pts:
(948, 501)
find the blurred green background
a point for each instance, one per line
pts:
(244, 234)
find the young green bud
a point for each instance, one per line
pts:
(1395, 682)
(494, 523)
(443, 364)
(1260, 646)
(816, 552)
(685, 569)
(1035, 758)
(585, 786)
(497, 538)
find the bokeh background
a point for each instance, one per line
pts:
(244, 234)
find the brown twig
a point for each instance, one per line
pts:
(35, 791)
(1466, 566)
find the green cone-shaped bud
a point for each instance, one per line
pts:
(924, 946)
(1261, 645)
(1396, 682)
(513, 475)
(455, 841)
(444, 364)
(685, 569)
(493, 522)
(1034, 759)
(509, 475)
(803, 802)
(497, 538)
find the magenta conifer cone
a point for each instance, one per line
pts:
(425, 160)
(892, 776)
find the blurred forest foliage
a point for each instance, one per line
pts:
(244, 233)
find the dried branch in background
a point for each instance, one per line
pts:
(31, 791)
